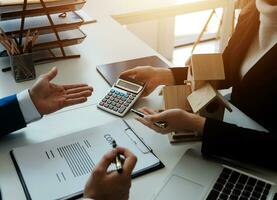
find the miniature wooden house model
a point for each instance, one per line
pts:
(198, 92)
(204, 69)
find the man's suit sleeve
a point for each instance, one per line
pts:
(11, 117)
(221, 139)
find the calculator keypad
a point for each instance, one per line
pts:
(117, 101)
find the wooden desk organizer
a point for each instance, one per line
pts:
(52, 25)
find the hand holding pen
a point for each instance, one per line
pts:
(175, 120)
(119, 183)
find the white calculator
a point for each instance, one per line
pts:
(122, 96)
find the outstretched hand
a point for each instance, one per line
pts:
(49, 97)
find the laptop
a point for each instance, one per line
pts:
(195, 178)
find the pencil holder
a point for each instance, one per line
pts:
(23, 67)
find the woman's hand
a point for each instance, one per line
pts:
(177, 120)
(151, 76)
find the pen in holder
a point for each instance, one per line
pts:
(23, 67)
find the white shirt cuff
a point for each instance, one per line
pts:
(28, 109)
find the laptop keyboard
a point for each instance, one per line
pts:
(233, 185)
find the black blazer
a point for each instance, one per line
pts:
(11, 117)
(255, 95)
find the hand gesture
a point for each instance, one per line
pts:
(103, 185)
(49, 97)
(177, 120)
(151, 76)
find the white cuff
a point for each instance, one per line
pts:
(28, 109)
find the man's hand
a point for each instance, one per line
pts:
(177, 120)
(103, 185)
(151, 76)
(49, 97)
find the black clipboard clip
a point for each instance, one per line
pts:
(138, 141)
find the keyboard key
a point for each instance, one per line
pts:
(129, 101)
(110, 94)
(109, 102)
(227, 191)
(116, 100)
(122, 109)
(246, 193)
(131, 98)
(218, 187)
(236, 192)
(258, 189)
(233, 197)
(256, 194)
(223, 196)
(106, 105)
(123, 98)
(213, 195)
(224, 176)
(243, 179)
(101, 103)
(114, 95)
(261, 183)
(227, 171)
(239, 186)
(221, 181)
(230, 186)
(263, 197)
(251, 181)
(115, 109)
(113, 104)
(268, 186)
(107, 97)
(249, 188)
(104, 100)
(234, 177)
(118, 105)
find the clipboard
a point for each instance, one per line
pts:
(29, 163)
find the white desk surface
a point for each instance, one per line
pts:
(107, 42)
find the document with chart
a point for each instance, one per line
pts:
(59, 168)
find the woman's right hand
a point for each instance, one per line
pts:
(151, 76)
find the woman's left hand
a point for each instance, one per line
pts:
(176, 119)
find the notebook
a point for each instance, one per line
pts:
(59, 168)
(111, 72)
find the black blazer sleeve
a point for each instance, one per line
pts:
(11, 117)
(221, 139)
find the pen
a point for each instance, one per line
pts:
(118, 163)
(162, 125)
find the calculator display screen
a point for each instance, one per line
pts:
(128, 85)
